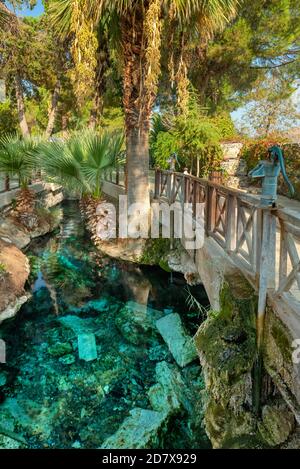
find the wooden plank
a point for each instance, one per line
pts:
(282, 254)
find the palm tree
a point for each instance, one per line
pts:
(7, 18)
(140, 26)
(17, 159)
(80, 164)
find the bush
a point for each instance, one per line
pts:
(255, 150)
(195, 139)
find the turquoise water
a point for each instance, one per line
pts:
(53, 399)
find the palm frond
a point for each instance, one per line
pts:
(80, 162)
(18, 157)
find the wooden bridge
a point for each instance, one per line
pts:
(264, 243)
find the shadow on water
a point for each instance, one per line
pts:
(55, 399)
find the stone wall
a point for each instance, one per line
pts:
(48, 194)
(235, 168)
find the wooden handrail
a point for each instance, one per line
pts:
(237, 222)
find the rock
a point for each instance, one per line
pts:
(12, 309)
(3, 378)
(180, 261)
(9, 443)
(141, 430)
(226, 342)
(59, 349)
(136, 322)
(67, 359)
(12, 294)
(76, 444)
(277, 424)
(158, 353)
(180, 344)
(9, 230)
(168, 394)
(26, 416)
(100, 305)
(78, 325)
(87, 347)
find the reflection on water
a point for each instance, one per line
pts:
(54, 399)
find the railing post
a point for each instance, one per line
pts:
(169, 187)
(186, 188)
(231, 222)
(195, 193)
(117, 176)
(7, 185)
(211, 200)
(156, 184)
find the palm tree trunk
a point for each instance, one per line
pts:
(53, 109)
(96, 111)
(100, 82)
(137, 106)
(21, 107)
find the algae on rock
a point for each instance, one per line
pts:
(226, 343)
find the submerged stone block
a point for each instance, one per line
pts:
(168, 394)
(142, 429)
(180, 344)
(87, 347)
(78, 325)
(136, 322)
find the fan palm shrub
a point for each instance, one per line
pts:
(80, 163)
(18, 159)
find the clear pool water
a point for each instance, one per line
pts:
(49, 398)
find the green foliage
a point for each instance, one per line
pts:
(37, 110)
(255, 150)
(155, 252)
(166, 143)
(18, 157)
(259, 42)
(225, 125)
(80, 162)
(112, 119)
(2, 269)
(8, 117)
(195, 137)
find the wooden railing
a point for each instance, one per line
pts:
(264, 243)
(7, 184)
(116, 176)
(10, 183)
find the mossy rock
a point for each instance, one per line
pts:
(277, 423)
(226, 343)
(228, 339)
(225, 428)
(59, 349)
(155, 252)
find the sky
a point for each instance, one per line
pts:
(36, 11)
